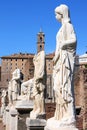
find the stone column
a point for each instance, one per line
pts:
(13, 119)
(4, 117)
(7, 118)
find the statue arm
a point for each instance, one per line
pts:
(69, 38)
(68, 44)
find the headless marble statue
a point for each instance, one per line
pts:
(26, 89)
(63, 71)
(14, 86)
(39, 85)
(3, 101)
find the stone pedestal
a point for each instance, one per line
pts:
(4, 117)
(35, 124)
(13, 119)
(61, 128)
(24, 104)
(24, 107)
(53, 124)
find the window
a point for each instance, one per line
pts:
(78, 110)
(40, 39)
(40, 47)
(49, 64)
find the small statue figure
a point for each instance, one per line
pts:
(26, 89)
(3, 101)
(14, 88)
(39, 85)
(6, 99)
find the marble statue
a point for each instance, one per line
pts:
(14, 85)
(39, 85)
(4, 104)
(3, 101)
(26, 89)
(6, 99)
(25, 100)
(10, 93)
(64, 61)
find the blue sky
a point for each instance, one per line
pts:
(21, 20)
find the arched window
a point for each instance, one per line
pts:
(40, 47)
(40, 39)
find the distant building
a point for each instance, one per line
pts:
(83, 59)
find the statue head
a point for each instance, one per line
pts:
(62, 13)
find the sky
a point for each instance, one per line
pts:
(21, 20)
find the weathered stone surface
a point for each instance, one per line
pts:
(39, 85)
(13, 125)
(35, 122)
(63, 71)
(61, 128)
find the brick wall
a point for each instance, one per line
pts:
(81, 97)
(50, 109)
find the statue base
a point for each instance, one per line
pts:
(64, 124)
(61, 128)
(37, 115)
(24, 104)
(35, 124)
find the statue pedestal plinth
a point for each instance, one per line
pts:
(35, 124)
(24, 104)
(53, 124)
(61, 128)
